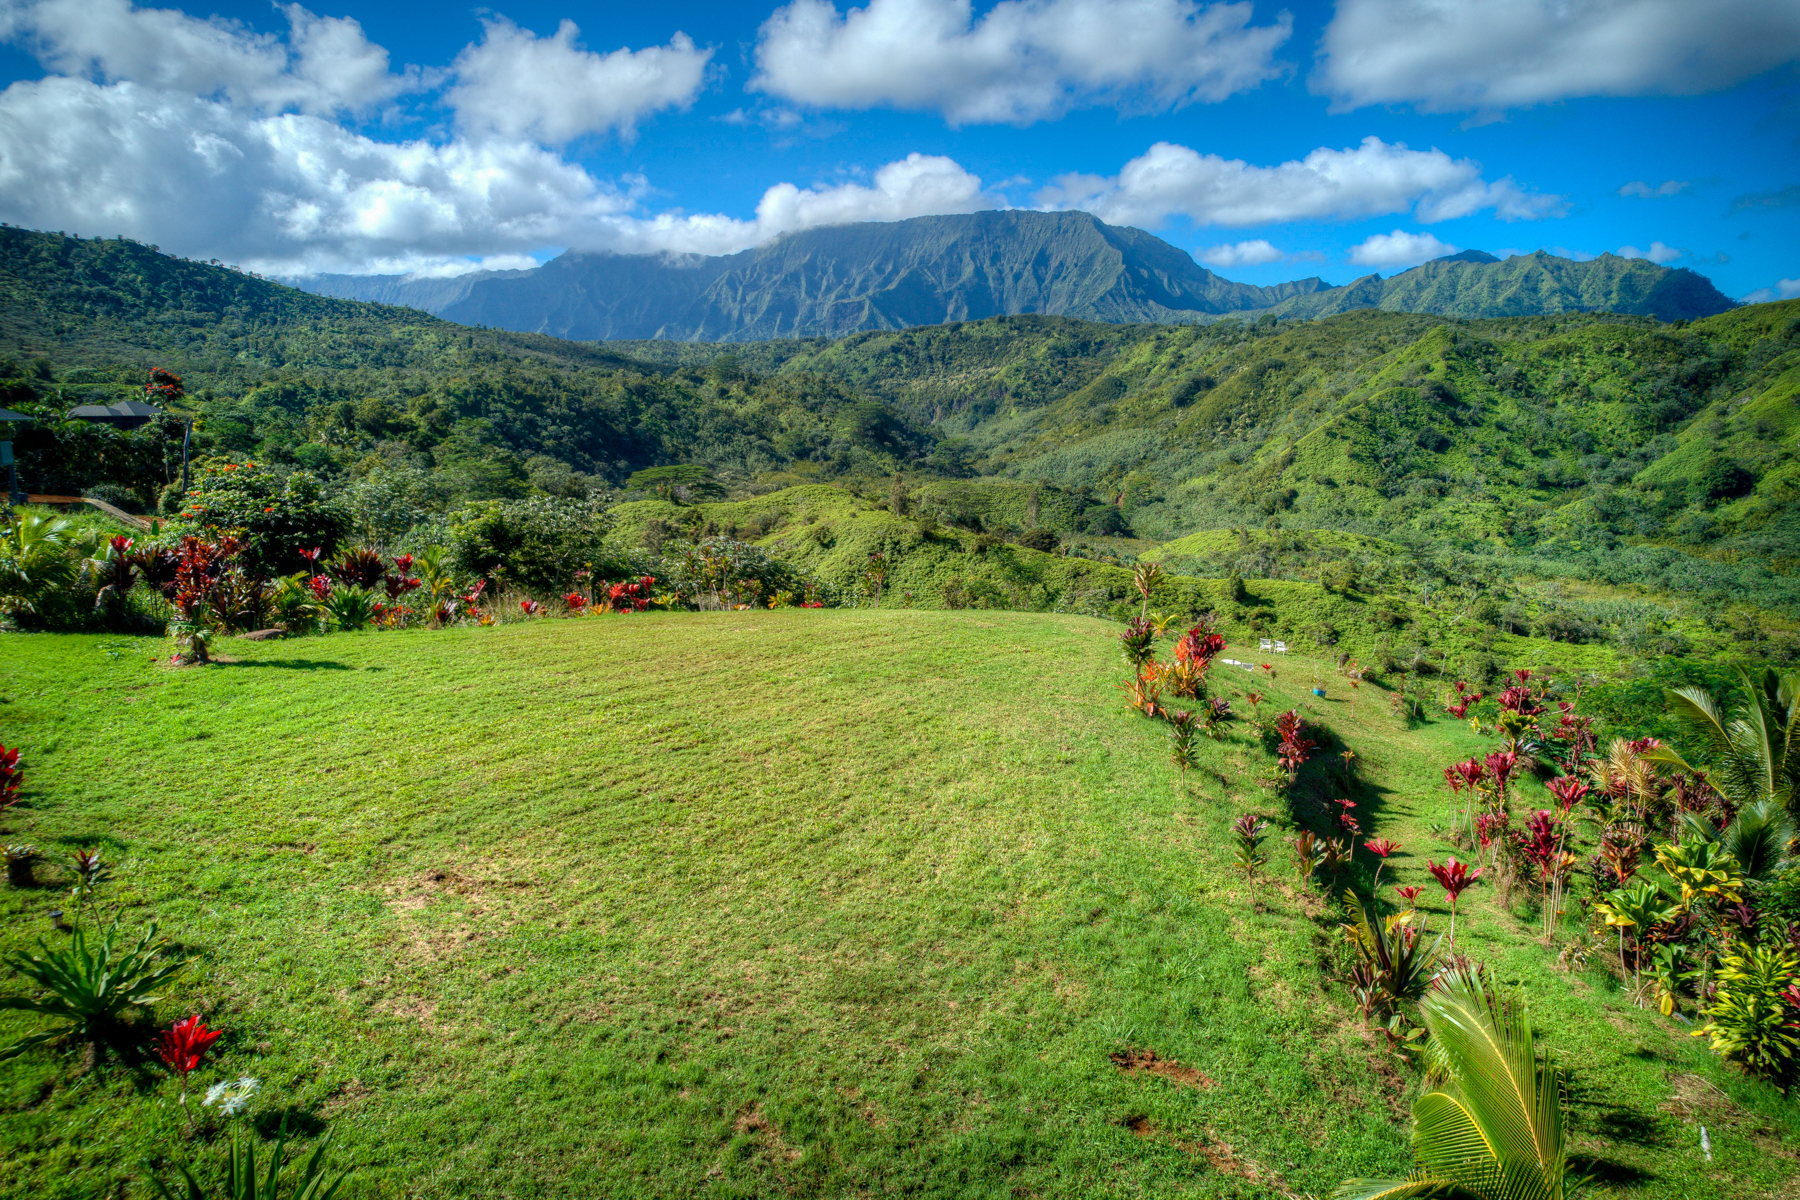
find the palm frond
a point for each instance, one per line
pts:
(1389, 1189)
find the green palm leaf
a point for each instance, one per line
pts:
(1493, 1128)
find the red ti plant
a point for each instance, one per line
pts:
(1199, 644)
(1468, 774)
(312, 558)
(1380, 848)
(1295, 745)
(1463, 701)
(576, 602)
(1409, 892)
(1490, 827)
(1455, 878)
(320, 585)
(359, 568)
(1568, 791)
(182, 1046)
(531, 608)
(11, 777)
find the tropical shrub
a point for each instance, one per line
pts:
(1397, 964)
(294, 604)
(1493, 1127)
(349, 608)
(40, 564)
(1455, 878)
(1295, 745)
(722, 572)
(312, 1181)
(1752, 1018)
(1247, 836)
(360, 567)
(535, 544)
(1753, 749)
(1214, 715)
(12, 777)
(89, 984)
(1306, 853)
(1181, 738)
(1138, 642)
(272, 516)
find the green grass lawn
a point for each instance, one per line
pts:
(823, 904)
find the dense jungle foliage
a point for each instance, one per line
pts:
(1589, 479)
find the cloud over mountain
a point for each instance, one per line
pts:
(1372, 179)
(1023, 61)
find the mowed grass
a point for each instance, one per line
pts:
(794, 903)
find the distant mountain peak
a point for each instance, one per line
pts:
(1468, 256)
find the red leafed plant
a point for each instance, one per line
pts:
(1295, 745)
(1409, 892)
(576, 602)
(1199, 644)
(1455, 878)
(359, 568)
(11, 776)
(1460, 704)
(1380, 848)
(531, 608)
(182, 1046)
(1568, 791)
(629, 596)
(1469, 774)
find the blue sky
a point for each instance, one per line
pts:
(1272, 142)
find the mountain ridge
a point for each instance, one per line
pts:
(836, 280)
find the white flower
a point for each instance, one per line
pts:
(232, 1096)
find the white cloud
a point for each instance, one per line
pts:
(1025, 60)
(1784, 289)
(1657, 253)
(517, 85)
(1240, 254)
(292, 194)
(325, 66)
(1372, 179)
(1643, 191)
(1399, 249)
(1462, 55)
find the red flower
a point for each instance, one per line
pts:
(1381, 846)
(184, 1044)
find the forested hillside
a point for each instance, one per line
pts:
(1600, 459)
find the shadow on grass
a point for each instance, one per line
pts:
(1612, 1174)
(294, 1121)
(289, 664)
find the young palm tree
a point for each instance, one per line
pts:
(1493, 1127)
(1755, 747)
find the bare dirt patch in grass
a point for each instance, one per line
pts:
(1132, 1061)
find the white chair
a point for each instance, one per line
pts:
(1265, 644)
(1281, 647)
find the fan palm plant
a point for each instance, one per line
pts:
(39, 562)
(1757, 837)
(1754, 747)
(1493, 1127)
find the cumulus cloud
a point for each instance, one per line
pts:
(1784, 289)
(1399, 249)
(1657, 253)
(515, 84)
(294, 194)
(1024, 61)
(326, 65)
(1240, 254)
(1372, 179)
(1643, 191)
(1463, 55)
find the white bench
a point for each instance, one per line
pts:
(1265, 644)
(1281, 647)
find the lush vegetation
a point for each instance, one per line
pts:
(922, 909)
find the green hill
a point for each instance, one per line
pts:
(1478, 285)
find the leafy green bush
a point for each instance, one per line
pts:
(536, 544)
(90, 984)
(273, 516)
(40, 568)
(1751, 1017)
(723, 572)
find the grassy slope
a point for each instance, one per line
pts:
(867, 913)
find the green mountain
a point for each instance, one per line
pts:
(930, 270)
(831, 281)
(1473, 284)
(1617, 478)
